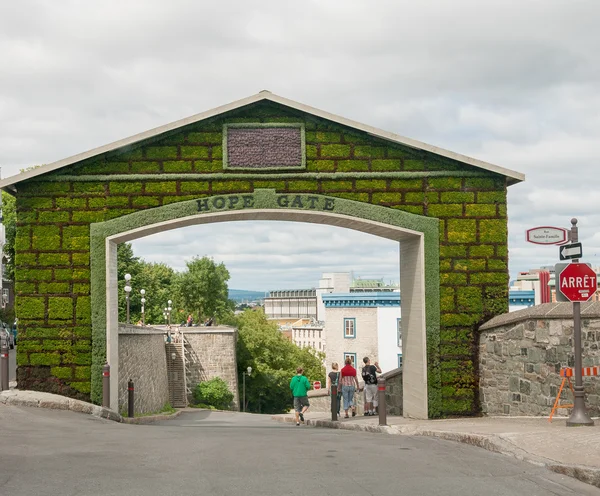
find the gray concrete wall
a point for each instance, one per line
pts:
(142, 359)
(214, 355)
(521, 354)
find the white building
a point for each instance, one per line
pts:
(363, 324)
(309, 334)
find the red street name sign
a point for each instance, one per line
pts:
(577, 282)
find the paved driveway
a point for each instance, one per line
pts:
(64, 453)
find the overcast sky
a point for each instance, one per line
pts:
(514, 83)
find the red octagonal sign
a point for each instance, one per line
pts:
(577, 281)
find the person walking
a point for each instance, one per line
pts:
(333, 379)
(369, 375)
(300, 386)
(349, 386)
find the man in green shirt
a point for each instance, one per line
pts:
(300, 386)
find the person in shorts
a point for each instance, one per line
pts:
(369, 375)
(300, 386)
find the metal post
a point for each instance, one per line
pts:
(106, 385)
(4, 367)
(127, 299)
(381, 405)
(244, 394)
(334, 405)
(130, 398)
(579, 415)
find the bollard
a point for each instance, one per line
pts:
(382, 406)
(4, 367)
(106, 385)
(130, 399)
(334, 405)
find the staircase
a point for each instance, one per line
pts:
(176, 371)
(181, 361)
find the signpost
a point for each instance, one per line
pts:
(547, 235)
(572, 251)
(577, 282)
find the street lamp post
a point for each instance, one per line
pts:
(127, 291)
(143, 293)
(248, 371)
(169, 308)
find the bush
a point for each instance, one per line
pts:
(213, 393)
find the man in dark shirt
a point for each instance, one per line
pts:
(369, 375)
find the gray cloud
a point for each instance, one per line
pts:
(514, 83)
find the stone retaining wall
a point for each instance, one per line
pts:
(213, 350)
(521, 354)
(142, 359)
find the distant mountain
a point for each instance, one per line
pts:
(242, 295)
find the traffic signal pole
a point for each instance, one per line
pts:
(579, 415)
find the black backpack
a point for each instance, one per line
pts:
(367, 376)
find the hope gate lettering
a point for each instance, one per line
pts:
(247, 201)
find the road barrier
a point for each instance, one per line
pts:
(566, 373)
(130, 399)
(106, 385)
(381, 406)
(4, 367)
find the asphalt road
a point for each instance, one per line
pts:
(200, 453)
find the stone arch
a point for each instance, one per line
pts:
(416, 234)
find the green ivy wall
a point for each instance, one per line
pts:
(54, 213)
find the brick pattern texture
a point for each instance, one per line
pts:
(53, 234)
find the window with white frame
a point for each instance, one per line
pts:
(399, 331)
(352, 357)
(350, 328)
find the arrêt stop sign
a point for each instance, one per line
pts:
(577, 282)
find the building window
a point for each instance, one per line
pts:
(399, 360)
(349, 328)
(352, 357)
(319, 344)
(399, 331)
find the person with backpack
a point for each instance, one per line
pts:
(333, 379)
(300, 386)
(369, 375)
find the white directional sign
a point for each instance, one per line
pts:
(546, 235)
(568, 252)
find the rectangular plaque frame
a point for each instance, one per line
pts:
(265, 125)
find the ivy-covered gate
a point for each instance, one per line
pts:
(263, 157)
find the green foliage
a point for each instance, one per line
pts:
(213, 393)
(274, 360)
(202, 289)
(9, 219)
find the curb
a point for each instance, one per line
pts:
(490, 442)
(149, 419)
(35, 399)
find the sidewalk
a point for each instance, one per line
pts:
(572, 451)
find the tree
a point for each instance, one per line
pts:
(274, 360)
(202, 289)
(9, 219)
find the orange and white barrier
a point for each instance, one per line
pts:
(566, 373)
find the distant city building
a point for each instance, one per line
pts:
(287, 306)
(363, 324)
(309, 334)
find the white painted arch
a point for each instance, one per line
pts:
(412, 287)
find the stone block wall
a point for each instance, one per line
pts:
(214, 355)
(142, 359)
(521, 354)
(58, 352)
